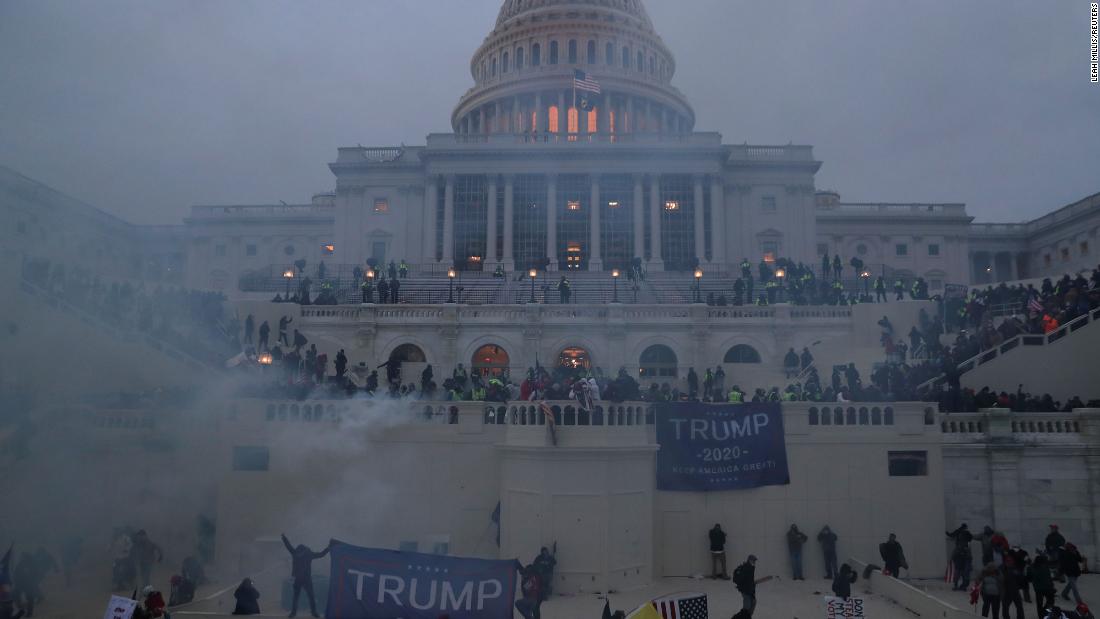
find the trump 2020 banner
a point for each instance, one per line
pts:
(720, 446)
(389, 584)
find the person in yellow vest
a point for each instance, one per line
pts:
(735, 395)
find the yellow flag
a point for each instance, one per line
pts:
(645, 611)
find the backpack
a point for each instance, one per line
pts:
(740, 575)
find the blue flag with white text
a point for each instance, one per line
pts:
(391, 584)
(720, 446)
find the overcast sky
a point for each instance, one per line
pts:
(144, 108)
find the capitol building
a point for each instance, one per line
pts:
(539, 177)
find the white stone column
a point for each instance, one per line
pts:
(638, 205)
(509, 218)
(540, 115)
(491, 225)
(513, 116)
(481, 120)
(552, 221)
(563, 115)
(629, 124)
(717, 221)
(655, 261)
(699, 216)
(595, 257)
(449, 221)
(431, 203)
(497, 118)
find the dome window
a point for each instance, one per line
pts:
(504, 63)
(519, 59)
(609, 54)
(626, 57)
(536, 55)
(553, 52)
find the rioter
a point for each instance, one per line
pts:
(960, 557)
(717, 551)
(893, 556)
(248, 599)
(842, 584)
(301, 571)
(828, 539)
(145, 553)
(795, 540)
(544, 565)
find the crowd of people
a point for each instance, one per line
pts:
(193, 321)
(1009, 575)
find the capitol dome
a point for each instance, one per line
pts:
(524, 73)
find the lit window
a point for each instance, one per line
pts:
(328, 249)
(934, 249)
(767, 203)
(613, 204)
(573, 205)
(381, 205)
(219, 250)
(770, 249)
(574, 120)
(592, 121)
(901, 249)
(672, 205)
(553, 116)
(250, 250)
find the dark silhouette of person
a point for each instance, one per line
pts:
(341, 363)
(249, 327)
(301, 570)
(248, 599)
(265, 331)
(283, 322)
(395, 289)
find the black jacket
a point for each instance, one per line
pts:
(717, 540)
(248, 600)
(842, 584)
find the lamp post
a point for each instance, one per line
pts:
(288, 275)
(866, 275)
(698, 285)
(615, 279)
(451, 285)
(532, 273)
(264, 360)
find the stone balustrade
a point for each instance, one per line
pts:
(1000, 425)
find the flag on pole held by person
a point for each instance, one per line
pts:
(551, 421)
(1034, 305)
(589, 90)
(682, 606)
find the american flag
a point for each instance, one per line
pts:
(682, 606)
(1034, 305)
(582, 81)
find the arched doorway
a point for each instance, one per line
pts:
(741, 353)
(574, 358)
(490, 360)
(405, 364)
(657, 360)
(408, 353)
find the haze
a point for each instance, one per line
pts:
(144, 108)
